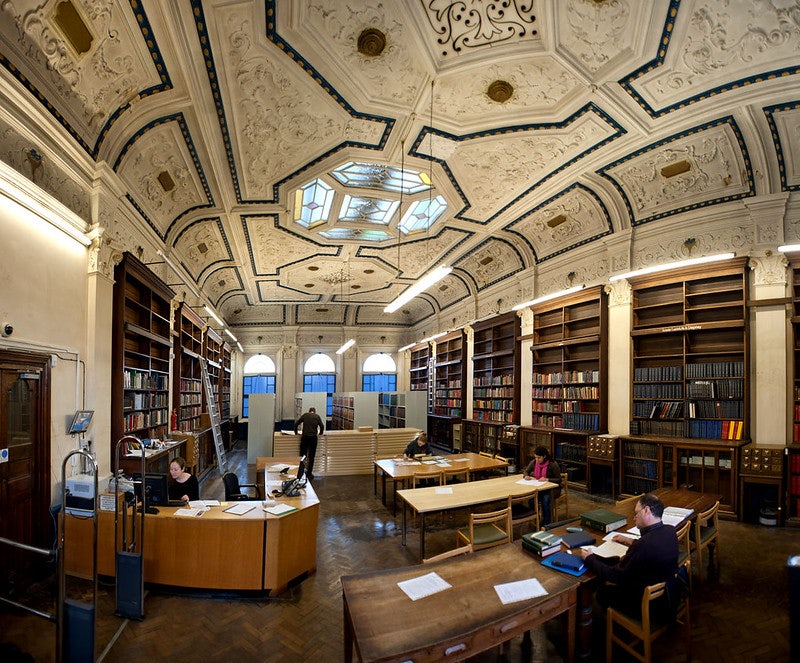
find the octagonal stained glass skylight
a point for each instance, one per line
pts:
(312, 203)
(360, 209)
(360, 234)
(382, 177)
(421, 215)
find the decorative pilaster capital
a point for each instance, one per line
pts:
(620, 293)
(769, 269)
(104, 253)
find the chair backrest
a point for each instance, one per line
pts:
(709, 518)
(530, 514)
(628, 500)
(231, 483)
(651, 593)
(486, 454)
(436, 477)
(462, 550)
(455, 473)
(501, 519)
(682, 533)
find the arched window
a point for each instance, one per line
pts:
(379, 373)
(259, 378)
(319, 374)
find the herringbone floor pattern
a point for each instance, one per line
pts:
(741, 615)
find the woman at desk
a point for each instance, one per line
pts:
(184, 486)
(544, 468)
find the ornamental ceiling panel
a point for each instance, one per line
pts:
(328, 314)
(707, 165)
(87, 57)
(221, 283)
(570, 219)
(202, 245)
(491, 262)
(494, 169)
(240, 312)
(272, 290)
(159, 169)
(785, 122)
(274, 110)
(273, 247)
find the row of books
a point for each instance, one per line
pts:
(666, 410)
(658, 373)
(144, 400)
(497, 380)
(717, 430)
(144, 380)
(637, 486)
(493, 415)
(566, 377)
(448, 384)
(657, 427)
(794, 485)
(659, 390)
(728, 388)
(449, 402)
(716, 409)
(504, 404)
(641, 449)
(493, 392)
(570, 451)
(145, 420)
(794, 463)
(581, 421)
(446, 411)
(190, 385)
(647, 469)
(720, 369)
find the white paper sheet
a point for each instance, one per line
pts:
(520, 590)
(443, 490)
(535, 483)
(417, 588)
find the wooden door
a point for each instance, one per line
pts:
(25, 474)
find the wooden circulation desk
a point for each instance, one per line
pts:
(385, 625)
(252, 552)
(685, 499)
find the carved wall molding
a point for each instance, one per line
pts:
(769, 269)
(620, 293)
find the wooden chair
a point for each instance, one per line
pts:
(455, 552)
(705, 536)
(423, 477)
(684, 548)
(645, 630)
(502, 470)
(562, 499)
(628, 501)
(456, 474)
(521, 511)
(486, 529)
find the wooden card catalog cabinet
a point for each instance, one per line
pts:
(762, 461)
(602, 447)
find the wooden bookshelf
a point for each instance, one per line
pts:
(212, 352)
(141, 346)
(449, 376)
(187, 377)
(225, 382)
(419, 367)
(402, 409)
(569, 362)
(793, 485)
(690, 353)
(353, 409)
(495, 370)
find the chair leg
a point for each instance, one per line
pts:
(609, 637)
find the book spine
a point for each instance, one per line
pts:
(595, 525)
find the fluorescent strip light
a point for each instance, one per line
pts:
(213, 315)
(420, 286)
(407, 347)
(545, 298)
(789, 248)
(239, 345)
(174, 268)
(228, 332)
(434, 337)
(673, 265)
(346, 346)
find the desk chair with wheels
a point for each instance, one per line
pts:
(233, 489)
(705, 536)
(645, 629)
(486, 529)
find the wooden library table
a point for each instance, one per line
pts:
(400, 470)
(685, 499)
(432, 499)
(218, 550)
(384, 624)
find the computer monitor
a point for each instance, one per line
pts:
(156, 488)
(80, 422)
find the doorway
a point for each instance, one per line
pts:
(25, 473)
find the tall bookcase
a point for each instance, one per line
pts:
(402, 409)
(225, 383)
(419, 367)
(690, 353)
(187, 376)
(212, 351)
(141, 346)
(353, 409)
(495, 370)
(570, 338)
(448, 376)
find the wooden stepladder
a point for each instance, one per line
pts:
(213, 413)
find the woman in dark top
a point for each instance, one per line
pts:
(184, 486)
(544, 468)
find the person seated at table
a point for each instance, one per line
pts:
(544, 468)
(418, 447)
(652, 558)
(184, 486)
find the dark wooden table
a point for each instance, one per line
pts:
(384, 624)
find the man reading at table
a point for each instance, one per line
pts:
(418, 447)
(652, 558)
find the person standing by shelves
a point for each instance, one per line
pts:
(544, 468)
(309, 426)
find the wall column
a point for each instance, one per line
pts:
(619, 356)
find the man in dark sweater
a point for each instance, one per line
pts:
(310, 426)
(652, 558)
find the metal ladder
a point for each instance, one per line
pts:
(213, 413)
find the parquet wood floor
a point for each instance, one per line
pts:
(740, 615)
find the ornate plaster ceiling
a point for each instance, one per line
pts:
(623, 115)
